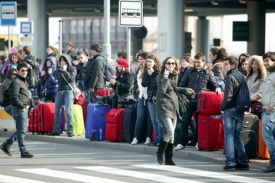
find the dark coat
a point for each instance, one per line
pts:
(198, 81)
(123, 84)
(19, 92)
(94, 73)
(150, 82)
(231, 88)
(167, 105)
(69, 74)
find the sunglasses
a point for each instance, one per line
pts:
(14, 74)
(23, 70)
(170, 63)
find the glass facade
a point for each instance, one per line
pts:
(83, 32)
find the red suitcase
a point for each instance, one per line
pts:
(104, 92)
(210, 102)
(45, 117)
(114, 125)
(84, 109)
(210, 132)
(33, 120)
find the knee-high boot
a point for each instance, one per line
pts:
(161, 149)
(169, 154)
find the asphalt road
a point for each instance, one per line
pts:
(62, 163)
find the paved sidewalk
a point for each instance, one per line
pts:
(190, 152)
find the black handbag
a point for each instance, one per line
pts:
(182, 100)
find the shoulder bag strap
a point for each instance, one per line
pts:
(67, 81)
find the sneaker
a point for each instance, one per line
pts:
(69, 134)
(26, 155)
(148, 141)
(197, 146)
(229, 168)
(179, 147)
(270, 168)
(5, 149)
(240, 166)
(135, 141)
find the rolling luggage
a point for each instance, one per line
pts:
(210, 132)
(130, 117)
(33, 120)
(84, 109)
(45, 117)
(250, 135)
(114, 125)
(78, 122)
(263, 151)
(210, 103)
(96, 121)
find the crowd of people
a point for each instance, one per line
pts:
(157, 87)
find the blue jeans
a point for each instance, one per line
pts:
(142, 114)
(63, 98)
(157, 126)
(21, 119)
(232, 125)
(269, 134)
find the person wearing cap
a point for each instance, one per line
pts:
(122, 82)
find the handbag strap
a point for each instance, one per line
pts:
(67, 81)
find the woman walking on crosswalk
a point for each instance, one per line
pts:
(167, 106)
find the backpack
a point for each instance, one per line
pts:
(243, 97)
(109, 70)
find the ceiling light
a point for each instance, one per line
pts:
(215, 2)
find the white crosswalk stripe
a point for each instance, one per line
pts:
(196, 172)
(11, 179)
(136, 174)
(67, 175)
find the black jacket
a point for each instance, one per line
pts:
(19, 92)
(32, 65)
(123, 84)
(69, 74)
(94, 73)
(150, 81)
(231, 88)
(199, 81)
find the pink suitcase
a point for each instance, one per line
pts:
(210, 102)
(210, 132)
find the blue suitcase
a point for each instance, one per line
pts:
(96, 121)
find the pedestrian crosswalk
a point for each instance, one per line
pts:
(131, 173)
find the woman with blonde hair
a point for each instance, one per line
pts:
(256, 74)
(255, 77)
(167, 106)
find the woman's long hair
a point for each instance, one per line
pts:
(260, 63)
(177, 67)
(156, 66)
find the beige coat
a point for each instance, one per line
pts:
(255, 83)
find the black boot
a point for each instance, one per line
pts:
(169, 154)
(161, 149)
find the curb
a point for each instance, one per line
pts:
(188, 153)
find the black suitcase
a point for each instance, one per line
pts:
(250, 135)
(130, 117)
